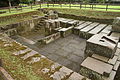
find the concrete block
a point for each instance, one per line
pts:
(113, 60)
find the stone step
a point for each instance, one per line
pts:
(30, 54)
(22, 51)
(97, 29)
(107, 30)
(95, 67)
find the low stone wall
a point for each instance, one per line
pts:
(21, 27)
(84, 18)
(49, 39)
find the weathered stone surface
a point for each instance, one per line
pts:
(61, 74)
(102, 45)
(103, 69)
(32, 53)
(107, 30)
(34, 60)
(116, 66)
(117, 52)
(77, 29)
(97, 29)
(116, 24)
(76, 76)
(66, 31)
(84, 32)
(22, 51)
(105, 59)
(113, 60)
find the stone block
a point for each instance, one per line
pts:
(77, 76)
(95, 69)
(102, 45)
(66, 31)
(116, 24)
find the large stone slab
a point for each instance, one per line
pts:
(97, 29)
(107, 30)
(78, 28)
(84, 32)
(116, 25)
(102, 45)
(95, 69)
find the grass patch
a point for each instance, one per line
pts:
(88, 13)
(16, 67)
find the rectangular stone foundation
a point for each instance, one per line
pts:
(101, 45)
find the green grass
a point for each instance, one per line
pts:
(16, 67)
(88, 13)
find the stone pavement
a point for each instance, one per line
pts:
(67, 51)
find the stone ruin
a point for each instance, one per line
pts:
(101, 55)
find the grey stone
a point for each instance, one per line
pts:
(102, 45)
(97, 66)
